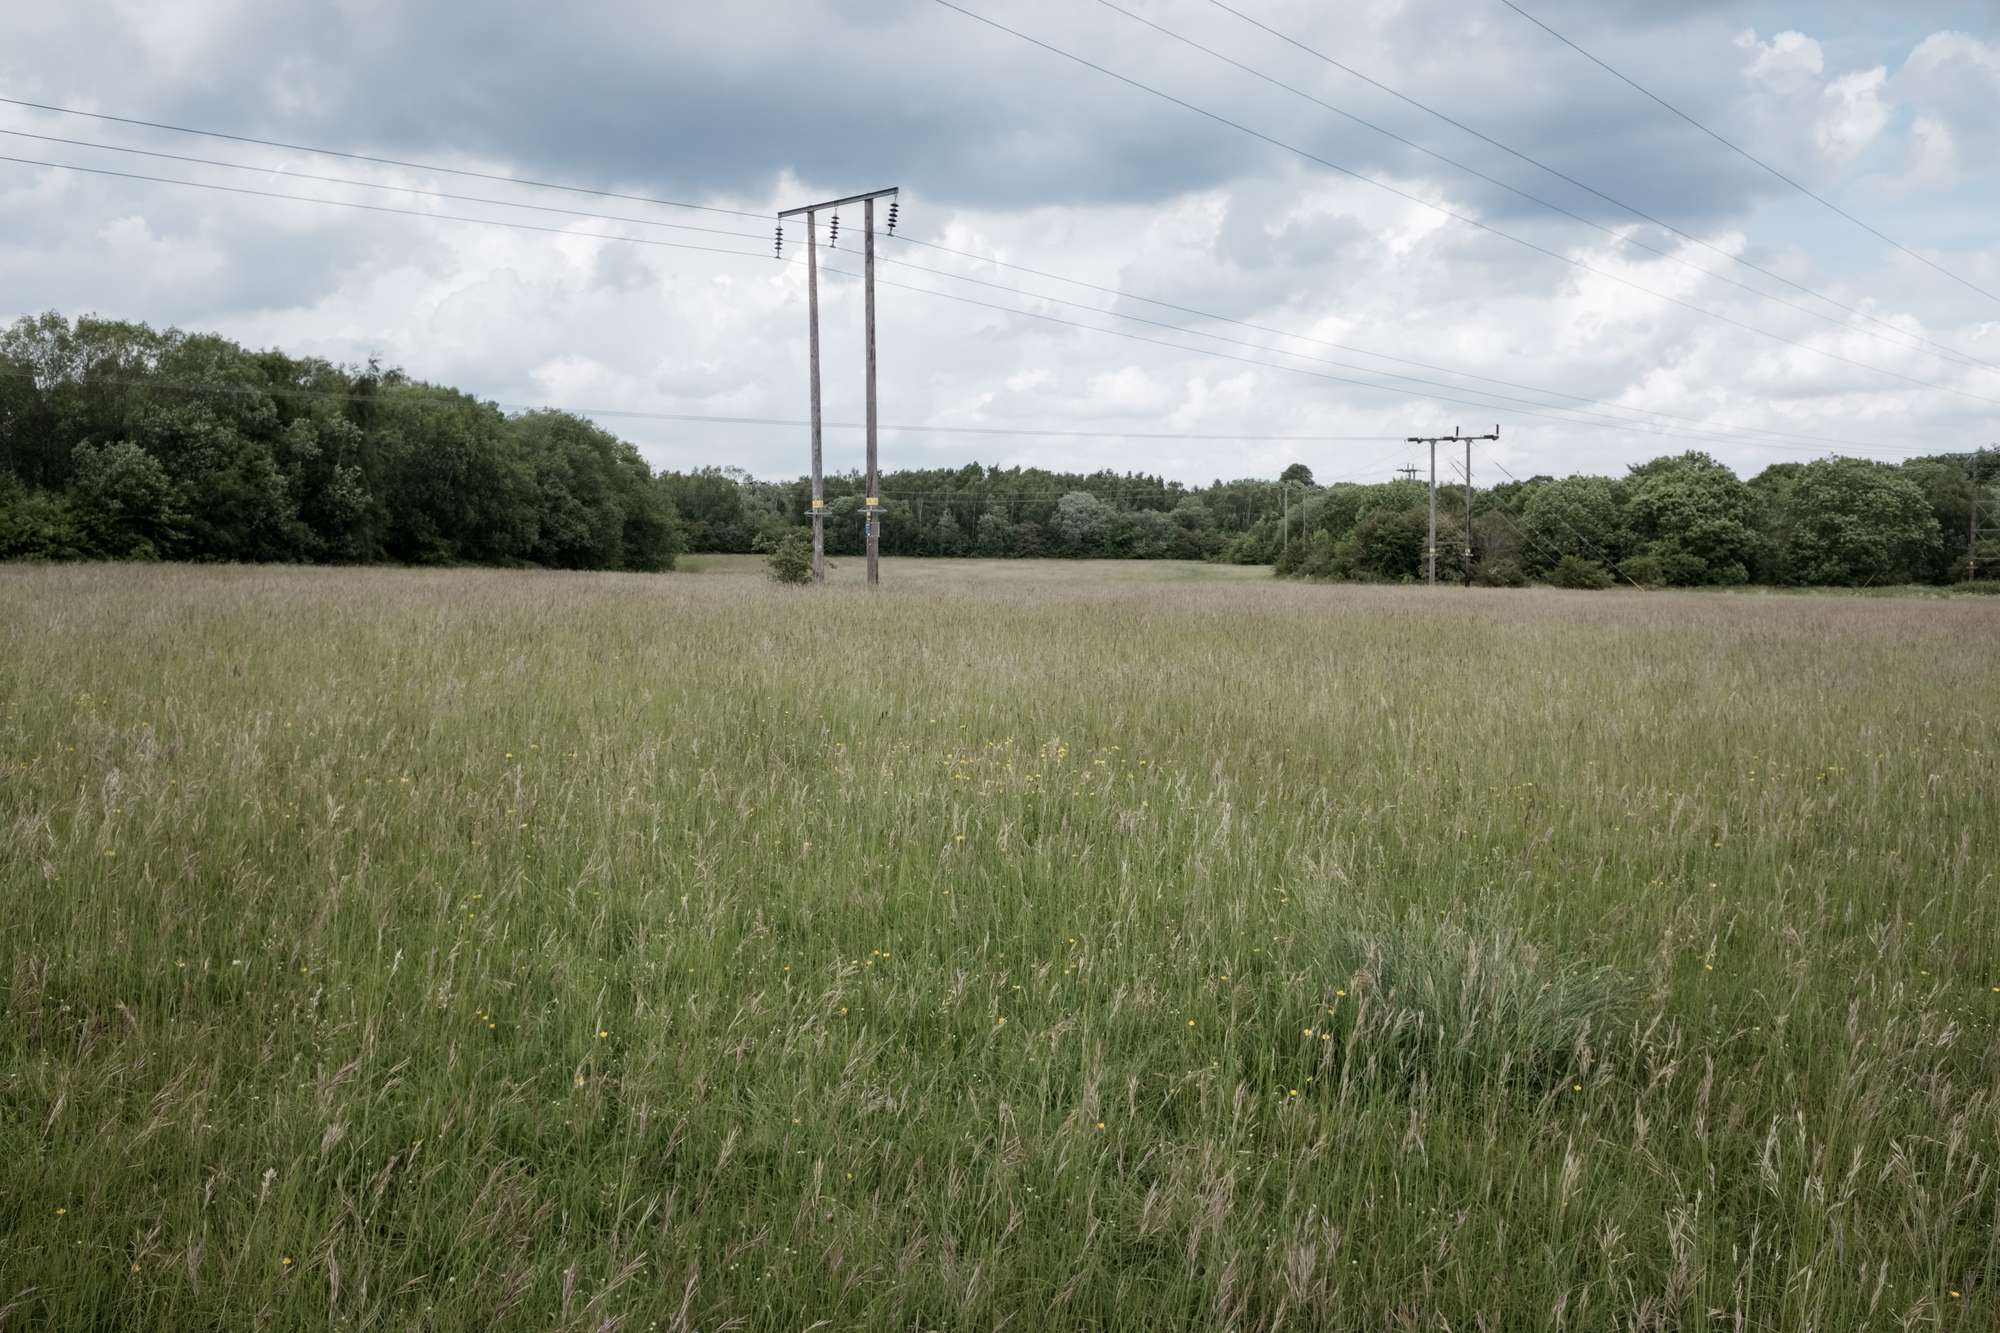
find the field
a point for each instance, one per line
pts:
(1028, 946)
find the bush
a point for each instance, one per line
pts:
(792, 557)
(1503, 572)
(1468, 999)
(1573, 571)
(1648, 571)
(38, 525)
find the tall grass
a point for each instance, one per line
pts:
(1028, 946)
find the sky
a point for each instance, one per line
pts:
(1689, 299)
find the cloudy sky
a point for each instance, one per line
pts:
(1606, 336)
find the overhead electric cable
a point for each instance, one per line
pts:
(1454, 214)
(379, 161)
(1902, 338)
(1561, 175)
(379, 185)
(1698, 422)
(383, 208)
(652, 222)
(1744, 153)
(1482, 403)
(1707, 430)
(1349, 347)
(1634, 427)
(452, 397)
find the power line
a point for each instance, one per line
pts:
(1482, 403)
(680, 245)
(380, 208)
(1454, 214)
(651, 222)
(1342, 379)
(1903, 339)
(1705, 430)
(1747, 155)
(443, 397)
(1604, 559)
(1561, 175)
(1710, 429)
(1363, 351)
(379, 161)
(1203, 351)
(378, 185)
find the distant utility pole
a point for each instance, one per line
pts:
(1431, 546)
(1408, 473)
(873, 499)
(1468, 509)
(1974, 530)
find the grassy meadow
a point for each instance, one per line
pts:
(1134, 947)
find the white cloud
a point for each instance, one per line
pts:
(1790, 61)
(1853, 113)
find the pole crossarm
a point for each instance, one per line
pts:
(836, 203)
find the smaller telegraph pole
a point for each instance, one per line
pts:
(1431, 546)
(1468, 511)
(1974, 529)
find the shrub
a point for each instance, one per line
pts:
(791, 558)
(1468, 999)
(1503, 572)
(1648, 571)
(38, 525)
(1573, 571)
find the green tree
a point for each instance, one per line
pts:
(1851, 521)
(1580, 516)
(1081, 523)
(791, 560)
(993, 536)
(126, 507)
(1696, 516)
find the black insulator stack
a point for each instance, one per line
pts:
(892, 216)
(778, 247)
(833, 233)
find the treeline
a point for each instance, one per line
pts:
(1682, 521)
(121, 442)
(991, 512)
(1679, 521)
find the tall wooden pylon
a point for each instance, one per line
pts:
(872, 500)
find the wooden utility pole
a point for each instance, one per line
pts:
(1431, 547)
(1973, 528)
(1468, 512)
(872, 499)
(818, 474)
